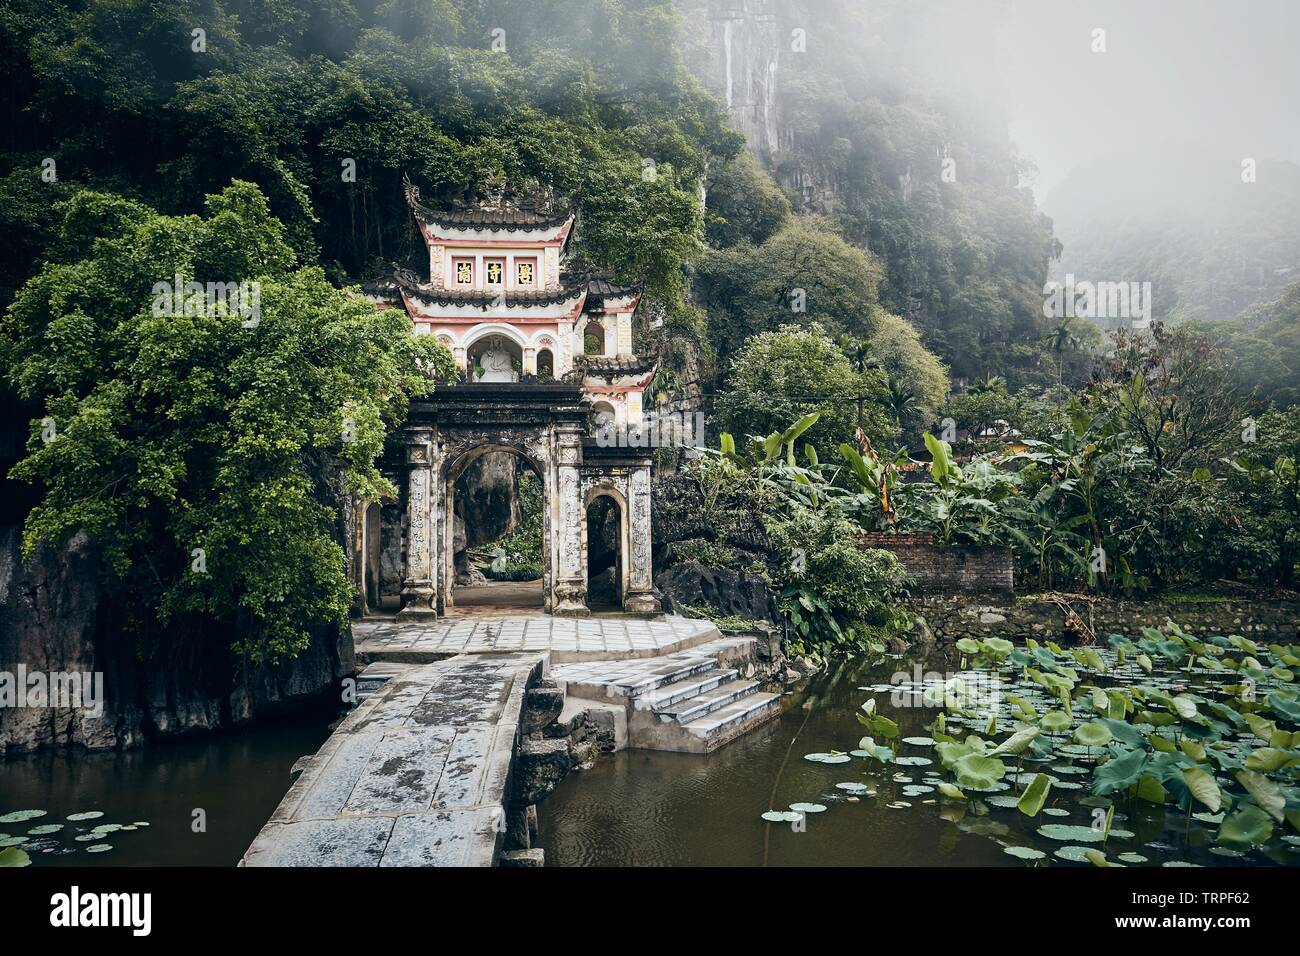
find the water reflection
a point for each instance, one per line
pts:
(236, 779)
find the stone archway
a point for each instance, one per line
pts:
(549, 426)
(606, 549)
(455, 471)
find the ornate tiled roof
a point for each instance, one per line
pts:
(451, 297)
(507, 215)
(616, 364)
(600, 287)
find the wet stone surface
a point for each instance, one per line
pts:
(418, 775)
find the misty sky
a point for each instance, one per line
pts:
(1222, 73)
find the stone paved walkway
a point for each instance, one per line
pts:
(567, 639)
(415, 776)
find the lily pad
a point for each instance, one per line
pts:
(1068, 832)
(1002, 801)
(1093, 734)
(977, 772)
(88, 815)
(21, 816)
(807, 807)
(1024, 852)
(10, 856)
(99, 848)
(45, 828)
(1075, 854)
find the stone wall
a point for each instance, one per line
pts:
(961, 569)
(951, 617)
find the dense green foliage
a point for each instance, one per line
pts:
(572, 99)
(206, 451)
(518, 555)
(1133, 485)
(1264, 342)
(802, 273)
(779, 377)
(761, 507)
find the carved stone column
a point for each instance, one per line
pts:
(570, 577)
(354, 523)
(640, 598)
(418, 590)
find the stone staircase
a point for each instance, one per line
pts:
(693, 701)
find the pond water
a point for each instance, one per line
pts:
(236, 779)
(652, 808)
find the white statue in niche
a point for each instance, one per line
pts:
(496, 363)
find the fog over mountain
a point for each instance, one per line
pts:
(1139, 149)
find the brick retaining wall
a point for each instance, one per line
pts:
(980, 570)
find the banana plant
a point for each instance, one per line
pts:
(876, 477)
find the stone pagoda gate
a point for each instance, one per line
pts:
(550, 427)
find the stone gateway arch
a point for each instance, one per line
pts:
(547, 425)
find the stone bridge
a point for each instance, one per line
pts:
(464, 726)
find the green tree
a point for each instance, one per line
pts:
(207, 449)
(744, 204)
(781, 376)
(804, 273)
(897, 350)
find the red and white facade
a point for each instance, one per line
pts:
(500, 299)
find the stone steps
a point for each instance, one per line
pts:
(663, 698)
(691, 708)
(693, 701)
(734, 720)
(635, 678)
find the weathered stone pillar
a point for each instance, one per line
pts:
(419, 597)
(570, 576)
(354, 523)
(640, 597)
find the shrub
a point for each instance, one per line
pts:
(837, 592)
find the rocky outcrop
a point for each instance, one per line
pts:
(690, 584)
(487, 505)
(58, 617)
(734, 47)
